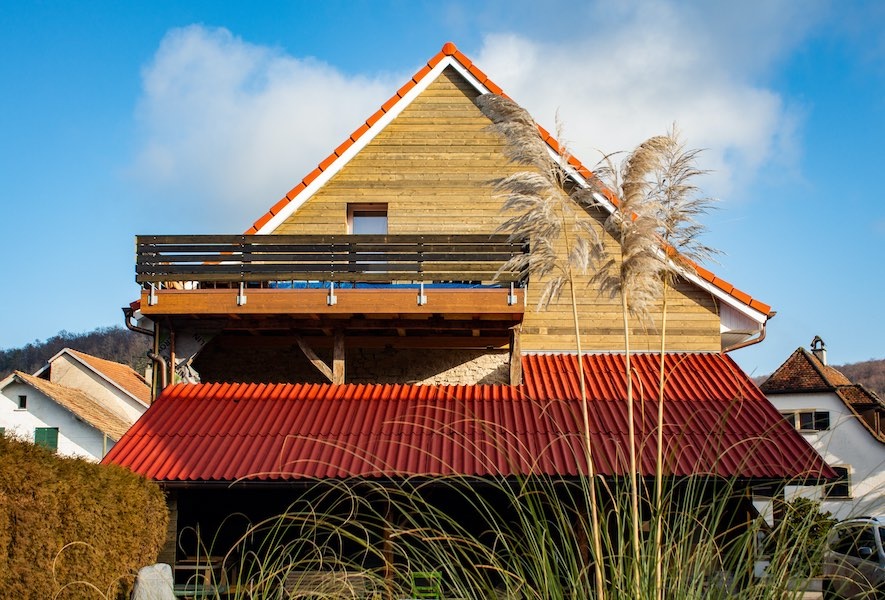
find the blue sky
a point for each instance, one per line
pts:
(121, 118)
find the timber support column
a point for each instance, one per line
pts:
(515, 356)
(338, 358)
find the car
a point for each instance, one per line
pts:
(854, 561)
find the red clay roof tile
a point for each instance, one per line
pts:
(375, 117)
(311, 176)
(328, 161)
(406, 88)
(276, 208)
(421, 73)
(358, 133)
(476, 72)
(343, 147)
(296, 190)
(262, 221)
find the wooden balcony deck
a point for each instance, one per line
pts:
(392, 276)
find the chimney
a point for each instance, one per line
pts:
(819, 349)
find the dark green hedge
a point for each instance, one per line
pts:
(73, 529)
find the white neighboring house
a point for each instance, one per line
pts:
(77, 404)
(844, 422)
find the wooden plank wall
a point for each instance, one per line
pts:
(432, 166)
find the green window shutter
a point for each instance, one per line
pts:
(46, 437)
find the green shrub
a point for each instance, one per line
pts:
(71, 528)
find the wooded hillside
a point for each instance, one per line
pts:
(111, 343)
(124, 346)
(871, 373)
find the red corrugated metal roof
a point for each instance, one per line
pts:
(716, 422)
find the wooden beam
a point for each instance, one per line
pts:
(312, 303)
(515, 357)
(314, 359)
(439, 342)
(338, 358)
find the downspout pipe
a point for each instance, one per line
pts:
(160, 365)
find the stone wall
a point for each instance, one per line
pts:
(228, 362)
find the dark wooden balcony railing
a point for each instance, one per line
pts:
(234, 259)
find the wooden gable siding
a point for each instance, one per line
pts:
(432, 167)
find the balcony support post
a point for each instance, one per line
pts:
(338, 358)
(515, 356)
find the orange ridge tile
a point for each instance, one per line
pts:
(405, 89)
(761, 307)
(311, 176)
(493, 88)
(476, 72)
(704, 273)
(551, 141)
(328, 161)
(435, 60)
(262, 221)
(465, 62)
(343, 147)
(391, 102)
(743, 297)
(422, 72)
(359, 131)
(296, 190)
(375, 117)
(276, 208)
(449, 49)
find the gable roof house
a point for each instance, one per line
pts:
(77, 404)
(843, 421)
(363, 328)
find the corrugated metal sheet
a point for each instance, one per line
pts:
(716, 421)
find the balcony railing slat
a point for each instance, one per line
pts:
(354, 258)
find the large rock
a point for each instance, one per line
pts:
(153, 582)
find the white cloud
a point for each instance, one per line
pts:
(229, 127)
(648, 65)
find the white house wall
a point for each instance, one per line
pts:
(75, 437)
(847, 442)
(70, 372)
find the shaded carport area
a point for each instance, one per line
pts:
(404, 479)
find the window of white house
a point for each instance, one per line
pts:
(841, 487)
(808, 420)
(22, 402)
(46, 437)
(369, 219)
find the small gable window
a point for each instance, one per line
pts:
(367, 219)
(808, 420)
(46, 437)
(22, 402)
